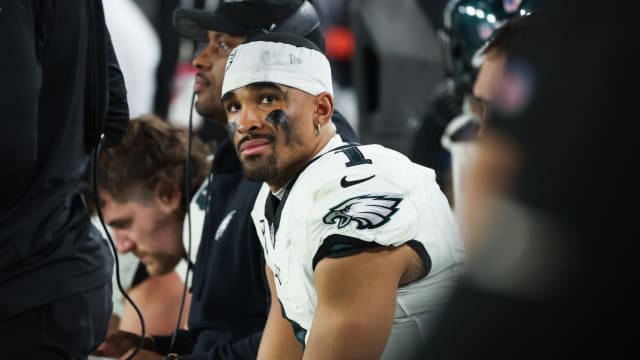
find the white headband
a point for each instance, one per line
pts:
(262, 61)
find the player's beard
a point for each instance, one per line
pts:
(257, 170)
(162, 264)
(210, 112)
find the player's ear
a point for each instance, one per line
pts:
(169, 195)
(324, 108)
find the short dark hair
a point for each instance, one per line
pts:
(152, 150)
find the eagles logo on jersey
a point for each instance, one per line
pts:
(367, 211)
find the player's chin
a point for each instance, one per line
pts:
(257, 161)
(158, 269)
(256, 169)
(205, 106)
(251, 163)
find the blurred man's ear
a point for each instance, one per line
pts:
(169, 195)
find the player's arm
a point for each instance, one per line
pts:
(356, 302)
(278, 340)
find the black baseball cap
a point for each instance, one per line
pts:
(247, 17)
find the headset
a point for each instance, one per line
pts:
(303, 21)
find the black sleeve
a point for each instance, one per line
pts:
(19, 88)
(245, 348)
(338, 246)
(183, 344)
(117, 118)
(20, 81)
(106, 108)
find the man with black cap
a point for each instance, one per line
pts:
(230, 294)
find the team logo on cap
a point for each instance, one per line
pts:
(294, 59)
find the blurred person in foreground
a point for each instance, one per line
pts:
(360, 243)
(546, 274)
(491, 60)
(446, 138)
(229, 293)
(61, 89)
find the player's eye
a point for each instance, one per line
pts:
(267, 99)
(122, 224)
(232, 107)
(223, 48)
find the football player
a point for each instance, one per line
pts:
(360, 243)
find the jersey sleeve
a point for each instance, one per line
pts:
(373, 213)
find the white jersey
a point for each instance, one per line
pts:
(371, 196)
(198, 213)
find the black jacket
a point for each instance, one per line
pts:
(229, 300)
(48, 247)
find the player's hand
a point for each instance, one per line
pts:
(117, 344)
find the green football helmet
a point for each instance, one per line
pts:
(468, 24)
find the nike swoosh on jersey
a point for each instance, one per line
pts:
(346, 183)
